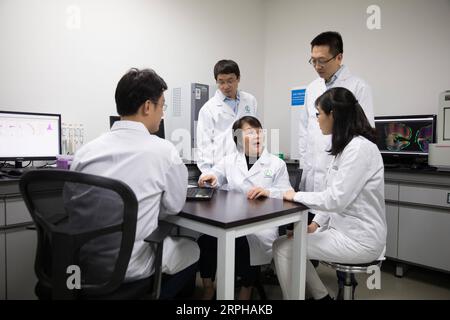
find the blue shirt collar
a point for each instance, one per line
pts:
(334, 77)
(225, 98)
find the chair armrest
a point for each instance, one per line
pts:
(160, 233)
(156, 239)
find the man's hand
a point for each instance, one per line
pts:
(257, 192)
(207, 178)
(312, 227)
(289, 195)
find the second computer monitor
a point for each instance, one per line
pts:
(405, 137)
(159, 133)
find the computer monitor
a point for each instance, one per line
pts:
(159, 133)
(405, 139)
(29, 136)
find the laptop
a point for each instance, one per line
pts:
(196, 193)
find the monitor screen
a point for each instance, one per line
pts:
(159, 133)
(29, 136)
(405, 135)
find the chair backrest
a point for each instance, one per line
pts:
(82, 220)
(295, 177)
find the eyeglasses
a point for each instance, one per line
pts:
(164, 107)
(228, 82)
(253, 132)
(321, 63)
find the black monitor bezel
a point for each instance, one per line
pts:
(406, 158)
(35, 158)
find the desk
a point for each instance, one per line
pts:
(230, 215)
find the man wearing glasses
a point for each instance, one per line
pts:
(326, 58)
(216, 117)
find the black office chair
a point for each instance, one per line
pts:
(296, 178)
(86, 221)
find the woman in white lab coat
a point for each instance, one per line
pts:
(251, 169)
(354, 195)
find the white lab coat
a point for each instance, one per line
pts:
(215, 120)
(151, 167)
(313, 145)
(268, 172)
(354, 199)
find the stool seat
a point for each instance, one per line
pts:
(352, 268)
(349, 269)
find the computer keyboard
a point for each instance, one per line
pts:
(199, 193)
(191, 192)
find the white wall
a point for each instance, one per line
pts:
(406, 62)
(47, 67)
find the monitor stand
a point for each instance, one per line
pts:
(18, 164)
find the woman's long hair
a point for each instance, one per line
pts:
(349, 119)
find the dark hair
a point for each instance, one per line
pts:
(330, 38)
(137, 86)
(226, 67)
(349, 119)
(238, 124)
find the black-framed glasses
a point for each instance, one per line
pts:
(229, 82)
(319, 62)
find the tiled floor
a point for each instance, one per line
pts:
(417, 283)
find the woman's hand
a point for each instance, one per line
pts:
(312, 227)
(207, 178)
(289, 195)
(257, 192)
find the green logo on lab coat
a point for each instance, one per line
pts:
(268, 173)
(247, 109)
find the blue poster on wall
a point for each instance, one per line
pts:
(298, 97)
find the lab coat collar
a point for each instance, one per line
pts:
(262, 161)
(220, 97)
(343, 73)
(129, 125)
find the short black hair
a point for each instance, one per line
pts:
(349, 119)
(137, 86)
(226, 67)
(331, 39)
(237, 126)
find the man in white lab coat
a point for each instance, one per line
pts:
(217, 116)
(153, 170)
(326, 58)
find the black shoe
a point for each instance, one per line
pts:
(326, 298)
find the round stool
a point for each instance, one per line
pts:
(350, 269)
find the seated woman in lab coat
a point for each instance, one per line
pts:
(353, 198)
(256, 172)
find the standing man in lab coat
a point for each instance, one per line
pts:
(151, 167)
(327, 51)
(217, 116)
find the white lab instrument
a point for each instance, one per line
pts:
(439, 152)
